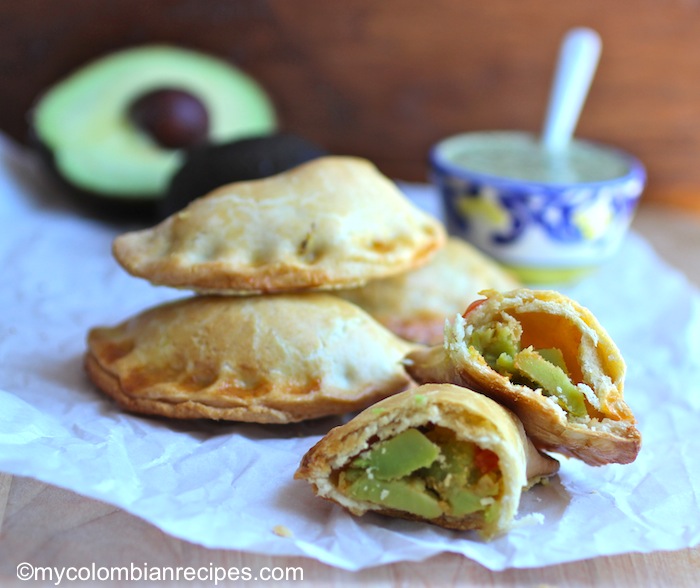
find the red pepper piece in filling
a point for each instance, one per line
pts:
(485, 460)
(473, 306)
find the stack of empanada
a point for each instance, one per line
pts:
(333, 224)
(267, 348)
(315, 293)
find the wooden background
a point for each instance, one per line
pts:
(385, 79)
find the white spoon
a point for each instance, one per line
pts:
(578, 59)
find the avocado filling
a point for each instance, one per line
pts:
(428, 473)
(537, 368)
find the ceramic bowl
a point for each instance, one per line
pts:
(545, 231)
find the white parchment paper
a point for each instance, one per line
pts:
(229, 485)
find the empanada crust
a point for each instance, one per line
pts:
(473, 417)
(415, 305)
(264, 359)
(609, 436)
(330, 223)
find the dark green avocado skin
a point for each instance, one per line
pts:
(208, 167)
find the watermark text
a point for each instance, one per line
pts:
(213, 574)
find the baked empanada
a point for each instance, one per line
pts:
(330, 223)
(265, 359)
(550, 361)
(415, 304)
(439, 453)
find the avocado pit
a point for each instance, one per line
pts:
(173, 118)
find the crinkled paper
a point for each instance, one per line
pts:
(228, 485)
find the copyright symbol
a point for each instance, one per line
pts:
(25, 571)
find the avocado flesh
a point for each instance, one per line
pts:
(399, 456)
(83, 120)
(404, 495)
(494, 341)
(552, 379)
(541, 368)
(554, 356)
(425, 474)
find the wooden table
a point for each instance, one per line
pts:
(49, 526)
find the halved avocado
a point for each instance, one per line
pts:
(117, 127)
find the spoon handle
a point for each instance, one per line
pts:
(578, 59)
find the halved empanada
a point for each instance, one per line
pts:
(414, 305)
(266, 359)
(550, 361)
(439, 453)
(330, 223)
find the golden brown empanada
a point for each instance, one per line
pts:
(414, 305)
(330, 223)
(265, 359)
(439, 453)
(550, 361)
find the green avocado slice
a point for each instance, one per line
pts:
(553, 380)
(399, 456)
(405, 495)
(464, 502)
(554, 356)
(83, 120)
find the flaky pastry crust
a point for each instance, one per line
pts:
(471, 416)
(330, 223)
(414, 305)
(607, 434)
(264, 359)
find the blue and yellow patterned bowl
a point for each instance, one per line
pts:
(545, 231)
